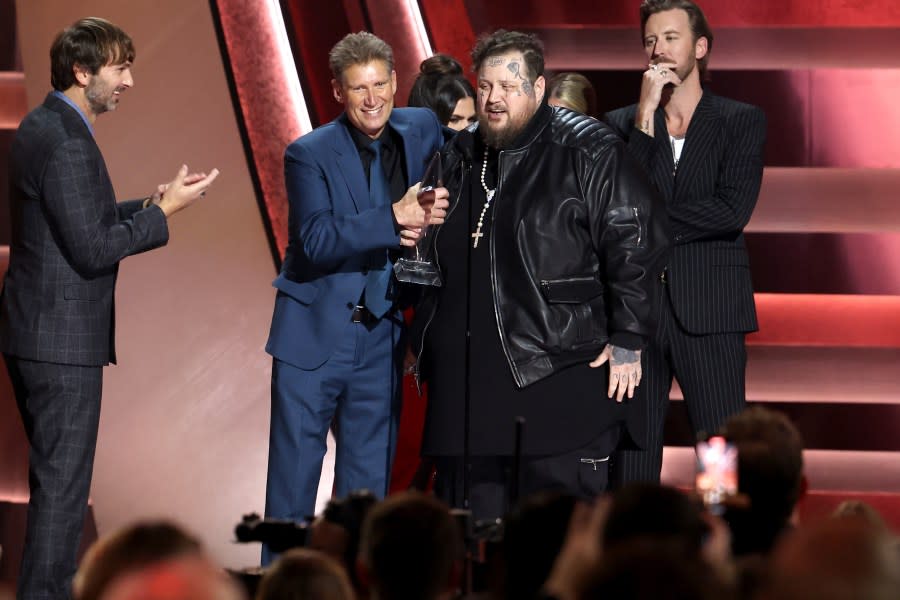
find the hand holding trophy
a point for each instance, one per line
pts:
(416, 265)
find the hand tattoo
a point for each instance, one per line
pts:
(622, 356)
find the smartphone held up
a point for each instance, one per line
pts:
(716, 480)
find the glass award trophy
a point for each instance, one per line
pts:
(416, 265)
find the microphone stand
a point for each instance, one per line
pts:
(467, 355)
(515, 477)
(469, 527)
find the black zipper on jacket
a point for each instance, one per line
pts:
(494, 220)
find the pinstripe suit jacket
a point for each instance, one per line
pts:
(709, 203)
(68, 236)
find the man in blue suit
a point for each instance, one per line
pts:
(336, 330)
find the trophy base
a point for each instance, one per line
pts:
(418, 272)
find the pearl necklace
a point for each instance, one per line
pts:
(489, 193)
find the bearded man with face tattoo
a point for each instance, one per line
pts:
(550, 255)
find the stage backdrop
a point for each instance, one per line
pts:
(184, 426)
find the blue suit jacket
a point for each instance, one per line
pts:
(335, 235)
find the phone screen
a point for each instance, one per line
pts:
(717, 462)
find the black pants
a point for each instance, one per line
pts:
(60, 409)
(710, 370)
(582, 472)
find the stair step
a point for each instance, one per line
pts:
(827, 320)
(839, 426)
(829, 200)
(826, 470)
(820, 374)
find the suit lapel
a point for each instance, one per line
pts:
(698, 142)
(350, 166)
(663, 163)
(412, 141)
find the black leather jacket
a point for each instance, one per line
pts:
(579, 240)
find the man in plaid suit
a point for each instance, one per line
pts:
(56, 307)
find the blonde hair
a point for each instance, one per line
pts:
(574, 91)
(359, 49)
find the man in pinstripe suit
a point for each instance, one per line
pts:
(56, 307)
(705, 155)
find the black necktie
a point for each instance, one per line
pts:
(378, 297)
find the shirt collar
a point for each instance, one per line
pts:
(362, 141)
(71, 103)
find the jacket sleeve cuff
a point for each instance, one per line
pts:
(629, 341)
(641, 146)
(397, 227)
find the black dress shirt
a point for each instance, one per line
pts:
(392, 158)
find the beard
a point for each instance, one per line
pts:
(681, 72)
(687, 69)
(100, 96)
(499, 139)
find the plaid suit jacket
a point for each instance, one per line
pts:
(68, 236)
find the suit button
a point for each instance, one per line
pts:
(350, 305)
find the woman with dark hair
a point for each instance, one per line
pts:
(442, 87)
